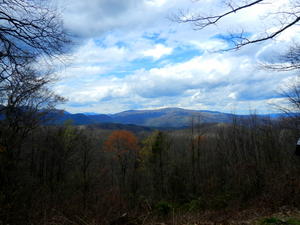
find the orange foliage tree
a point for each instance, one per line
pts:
(123, 145)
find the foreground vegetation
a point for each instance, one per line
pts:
(94, 176)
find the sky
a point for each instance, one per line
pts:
(130, 54)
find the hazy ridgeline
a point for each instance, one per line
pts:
(63, 171)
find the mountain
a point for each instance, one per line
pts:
(60, 117)
(101, 118)
(117, 126)
(169, 117)
(158, 118)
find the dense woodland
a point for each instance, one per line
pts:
(98, 175)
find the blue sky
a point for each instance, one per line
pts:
(129, 55)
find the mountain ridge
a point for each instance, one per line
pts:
(156, 118)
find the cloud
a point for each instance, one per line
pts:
(87, 18)
(97, 17)
(130, 56)
(157, 3)
(216, 82)
(158, 51)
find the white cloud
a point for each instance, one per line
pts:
(157, 3)
(93, 53)
(210, 45)
(232, 95)
(216, 82)
(158, 51)
(110, 70)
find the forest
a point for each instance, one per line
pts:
(56, 172)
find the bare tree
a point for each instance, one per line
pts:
(291, 106)
(281, 20)
(30, 29)
(292, 93)
(26, 99)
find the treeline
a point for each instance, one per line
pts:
(52, 173)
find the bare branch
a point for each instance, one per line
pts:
(203, 21)
(29, 30)
(287, 20)
(242, 41)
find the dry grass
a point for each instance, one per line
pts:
(229, 217)
(225, 217)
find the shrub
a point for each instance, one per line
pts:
(163, 208)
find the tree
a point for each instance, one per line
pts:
(28, 30)
(196, 139)
(124, 148)
(25, 99)
(155, 153)
(28, 33)
(86, 157)
(281, 19)
(291, 106)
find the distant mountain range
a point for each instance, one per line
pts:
(167, 117)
